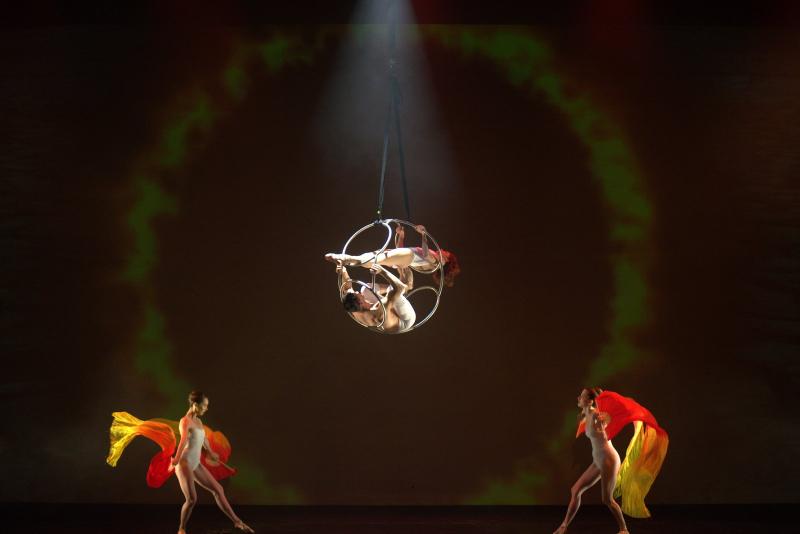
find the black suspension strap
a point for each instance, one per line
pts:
(400, 152)
(393, 115)
(384, 161)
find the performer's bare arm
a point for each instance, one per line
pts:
(421, 229)
(347, 283)
(406, 274)
(207, 446)
(399, 235)
(184, 427)
(407, 277)
(397, 284)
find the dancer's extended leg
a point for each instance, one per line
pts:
(207, 481)
(588, 479)
(186, 482)
(396, 257)
(608, 479)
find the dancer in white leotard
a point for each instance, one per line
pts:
(605, 464)
(188, 468)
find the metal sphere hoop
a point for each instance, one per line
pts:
(436, 290)
(438, 294)
(363, 229)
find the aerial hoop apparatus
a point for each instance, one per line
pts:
(372, 286)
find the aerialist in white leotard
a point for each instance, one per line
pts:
(188, 468)
(604, 467)
(421, 259)
(364, 307)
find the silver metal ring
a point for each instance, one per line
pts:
(389, 234)
(439, 267)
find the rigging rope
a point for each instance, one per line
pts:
(393, 113)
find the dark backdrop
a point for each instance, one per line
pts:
(169, 190)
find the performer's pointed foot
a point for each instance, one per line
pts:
(346, 259)
(562, 529)
(242, 526)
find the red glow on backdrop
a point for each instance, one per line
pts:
(426, 12)
(619, 25)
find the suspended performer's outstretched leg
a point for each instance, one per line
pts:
(396, 257)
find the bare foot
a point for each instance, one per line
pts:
(346, 259)
(242, 526)
(561, 529)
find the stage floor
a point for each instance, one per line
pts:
(145, 519)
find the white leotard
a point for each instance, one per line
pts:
(603, 452)
(194, 445)
(402, 307)
(405, 313)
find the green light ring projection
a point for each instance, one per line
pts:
(153, 350)
(526, 62)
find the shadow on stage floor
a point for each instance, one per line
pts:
(146, 519)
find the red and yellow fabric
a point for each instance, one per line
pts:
(165, 434)
(645, 454)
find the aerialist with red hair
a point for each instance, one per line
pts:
(603, 415)
(199, 457)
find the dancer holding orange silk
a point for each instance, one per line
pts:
(200, 455)
(603, 415)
